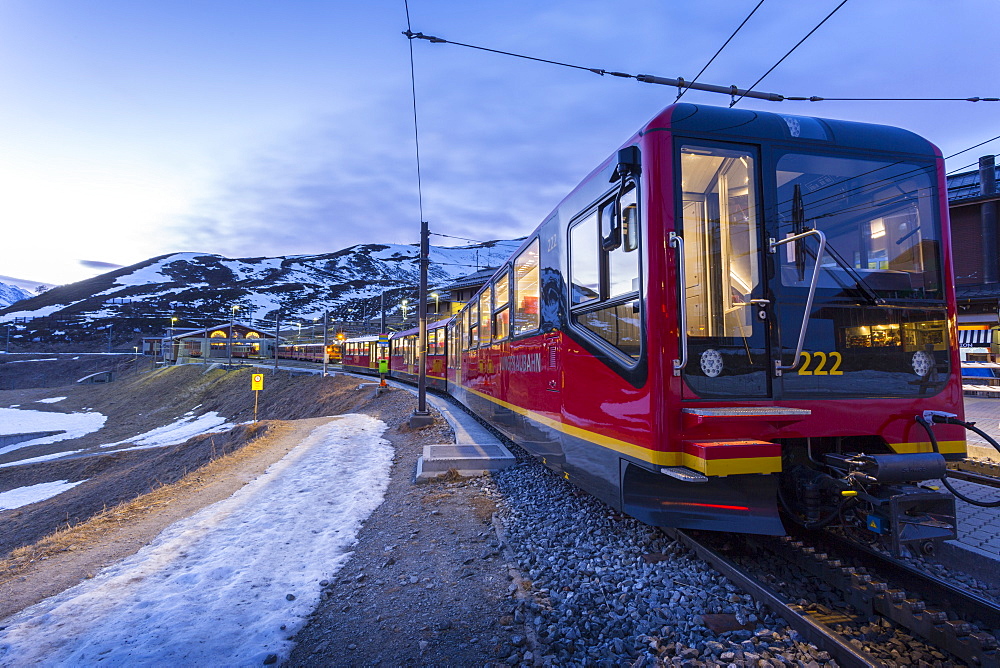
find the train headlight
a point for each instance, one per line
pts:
(922, 363)
(711, 363)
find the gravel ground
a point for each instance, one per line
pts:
(603, 589)
(521, 568)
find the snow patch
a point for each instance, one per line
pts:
(23, 421)
(50, 400)
(23, 496)
(211, 589)
(186, 427)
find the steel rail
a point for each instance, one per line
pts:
(977, 471)
(872, 594)
(812, 630)
(940, 592)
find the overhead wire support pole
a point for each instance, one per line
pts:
(326, 340)
(421, 416)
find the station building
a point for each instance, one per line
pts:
(218, 343)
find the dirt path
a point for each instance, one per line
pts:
(63, 560)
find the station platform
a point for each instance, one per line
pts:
(977, 549)
(475, 450)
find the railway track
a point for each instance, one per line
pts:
(981, 471)
(857, 589)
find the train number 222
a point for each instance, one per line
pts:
(821, 361)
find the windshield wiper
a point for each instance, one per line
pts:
(860, 283)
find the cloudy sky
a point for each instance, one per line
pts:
(251, 127)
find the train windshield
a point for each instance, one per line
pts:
(880, 223)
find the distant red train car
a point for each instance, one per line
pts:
(310, 352)
(361, 354)
(734, 318)
(403, 358)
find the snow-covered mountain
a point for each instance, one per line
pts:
(11, 293)
(203, 286)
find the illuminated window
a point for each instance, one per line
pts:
(526, 290)
(501, 307)
(484, 317)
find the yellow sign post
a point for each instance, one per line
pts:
(256, 384)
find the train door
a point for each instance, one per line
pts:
(723, 300)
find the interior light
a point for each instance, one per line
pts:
(877, 229)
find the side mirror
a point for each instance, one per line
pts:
(629, 163)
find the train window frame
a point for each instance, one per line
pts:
(473, 323)
(526, 314)
(501, 311)
(718, 296)
(606, 302)
(929, 248)
(485, 299)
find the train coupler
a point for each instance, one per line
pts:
(910, 520)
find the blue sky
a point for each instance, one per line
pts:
(248, 128)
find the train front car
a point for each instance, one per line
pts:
(734, 323)
(805, 270)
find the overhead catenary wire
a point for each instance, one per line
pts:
(449, 236)
(797, 45)
(416, 127)
(682, 90)
(732, 91)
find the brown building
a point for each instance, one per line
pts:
(973, 202)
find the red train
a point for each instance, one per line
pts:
(361, 354)
(310, 352)
(403, 358)
(732, 322)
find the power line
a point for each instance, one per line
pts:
(680, 93)
(972, 147)
(448, 236)
(808, 35)
(416, 129)
(733, 91)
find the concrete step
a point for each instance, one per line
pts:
(467, 459)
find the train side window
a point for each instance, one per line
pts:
(527, 290)
(720, 228)
(501, 307)
(485, 311)
(604, 273)
(473, 324)
(584, 261)
(623, 263)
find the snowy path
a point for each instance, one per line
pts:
(213, 589)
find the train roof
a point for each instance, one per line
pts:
(363, 339)
(416, 330)
(774, 126)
